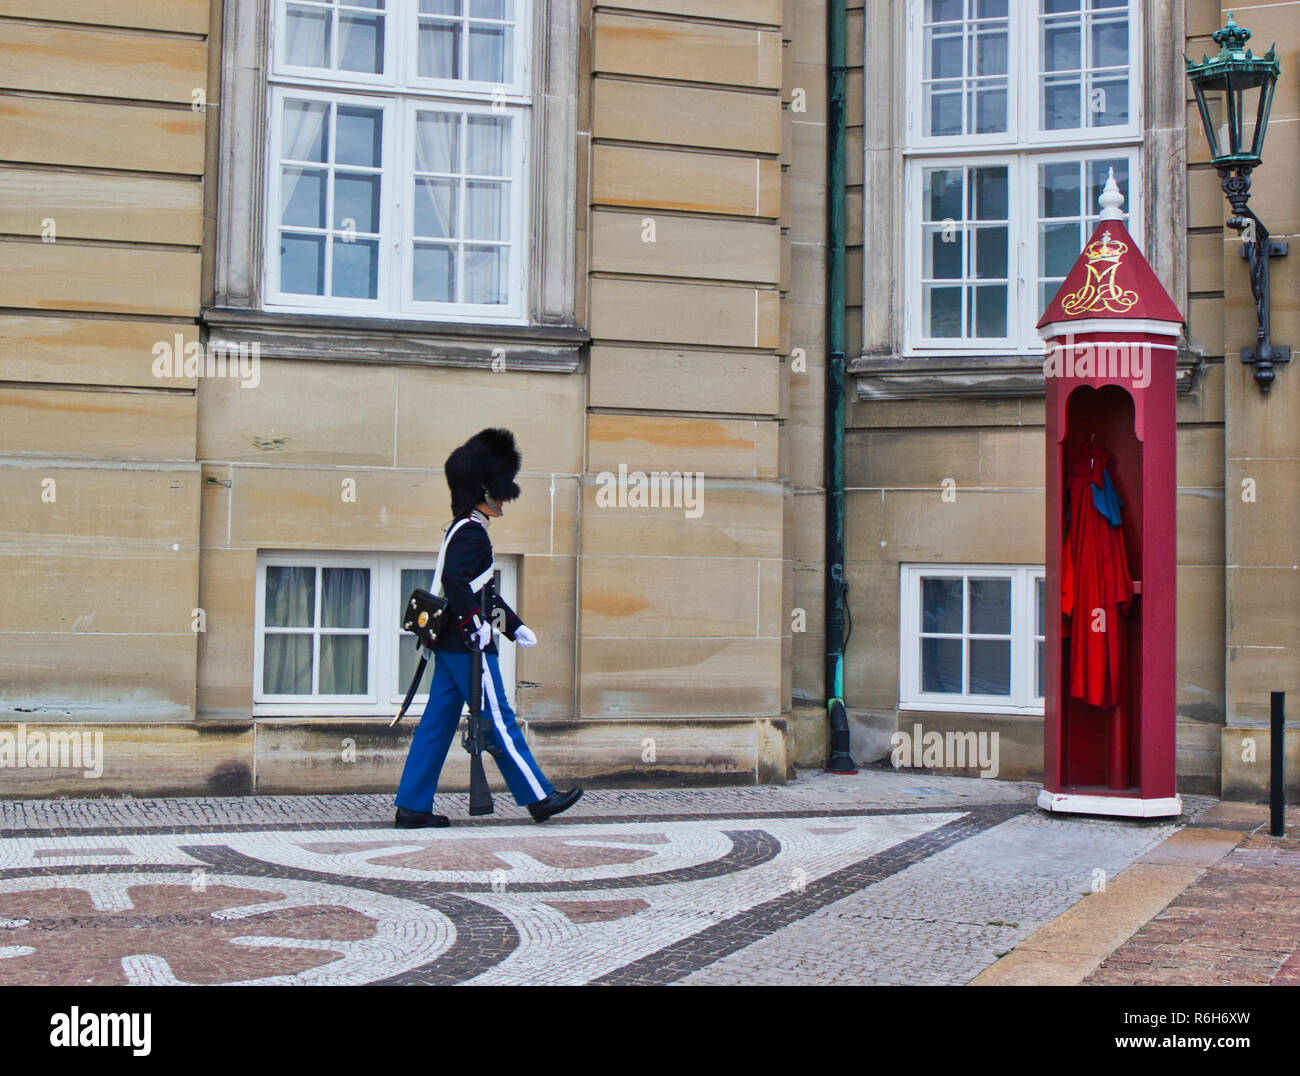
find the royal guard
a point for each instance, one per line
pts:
(481, 477)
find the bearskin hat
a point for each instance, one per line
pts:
(485, 464)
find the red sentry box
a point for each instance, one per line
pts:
(1111, 336)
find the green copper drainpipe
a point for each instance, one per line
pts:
(840, 760)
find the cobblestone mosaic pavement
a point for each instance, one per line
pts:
(880, 878)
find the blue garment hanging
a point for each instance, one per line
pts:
(1106, 500)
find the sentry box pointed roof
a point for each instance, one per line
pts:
(1110, 280)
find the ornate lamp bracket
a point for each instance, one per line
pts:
(1257, 247)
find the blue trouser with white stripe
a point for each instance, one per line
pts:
(437, 728)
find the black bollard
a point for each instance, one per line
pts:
(1277, 740)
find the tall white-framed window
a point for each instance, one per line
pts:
(971, 638)
(397, 158)
(328, 638)
(997, 235)
(1016, 112)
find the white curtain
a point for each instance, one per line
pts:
(303, 139)
(437, 149)
(290, 602)
(307, 33)
(439, 50)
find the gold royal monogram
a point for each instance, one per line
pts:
(1099, 293)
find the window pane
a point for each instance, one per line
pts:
(489, 53)
(989, 107)
(435, 273)
(356, 269)
(360, 137)
(440, 7)
(492, 9)
(943, 311)
(1047, 290)
(990, 606)
(286, 664)
(1061, 104)
(1040, 605)
(307, 37)
(990, 303)
(486, 211)
(485, 274)
(290, 596)
(302, 264)
(488, 149)
(989, 197)
(435, 208)
(945, 56)
(416, 577)
(943, 190)
(944, 10)
(1098, 171)
(990, 667)
(343, 664)
(345, 598)
(1062, 46)
(941, 609)
(989, 53)
(990, 253)
(356, 199)
(991, 9)
(439, 50)
(437, 142)
(1108, 102)
(943, 253)
(1059, 190)
(1051, 7)
(945, 110)
(408, 656)
(361, 43)
(305, 137)
(941, 666)
(1110, 44)
(1059, 248)
(302, 197)
(1039, 678)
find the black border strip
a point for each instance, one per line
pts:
(694, 953)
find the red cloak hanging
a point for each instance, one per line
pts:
(1096, 586)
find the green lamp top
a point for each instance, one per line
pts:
(1233, 55)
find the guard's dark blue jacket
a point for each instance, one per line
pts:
(469, 553)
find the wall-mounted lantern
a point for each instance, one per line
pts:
(1234, 92)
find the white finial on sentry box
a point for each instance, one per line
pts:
(1111, 199)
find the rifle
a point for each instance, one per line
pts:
(476, 739)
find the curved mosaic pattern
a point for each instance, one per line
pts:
(651, 900)
(167, 929)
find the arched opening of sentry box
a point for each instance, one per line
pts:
(1101, 706)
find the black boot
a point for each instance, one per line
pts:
(554, 804)
(420, 819)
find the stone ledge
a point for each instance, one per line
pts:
(395, 341)
(892, 376)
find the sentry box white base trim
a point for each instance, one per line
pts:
(1123, 806)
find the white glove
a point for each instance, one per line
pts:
(482, 636)
(524, 637)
